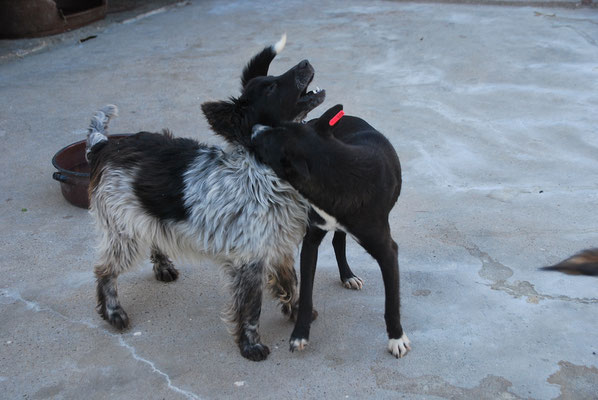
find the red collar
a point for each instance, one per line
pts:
(335, 119)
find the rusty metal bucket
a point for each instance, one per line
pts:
(73, 172)
(34, 18)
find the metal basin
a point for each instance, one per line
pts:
(73, 172)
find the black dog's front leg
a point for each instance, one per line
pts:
(309, 258)
(385, 250)
(349, 279)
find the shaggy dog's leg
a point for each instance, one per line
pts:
(282, 282)
(164, 269)
(349, 279)
(309, 258)
(117, 255)
(245, 309)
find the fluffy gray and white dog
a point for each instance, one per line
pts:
(224, 205)
(152, 194)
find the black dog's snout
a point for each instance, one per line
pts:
(304, 64)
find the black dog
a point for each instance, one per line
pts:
(351, 175)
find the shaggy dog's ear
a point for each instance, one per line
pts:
(224, 118)
(259, 64)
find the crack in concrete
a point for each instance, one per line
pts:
(498, 274)
(581, 33)
(157, 11)
(31, 305)
(133, 352)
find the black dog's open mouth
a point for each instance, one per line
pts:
(307, 101)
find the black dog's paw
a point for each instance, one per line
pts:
(297, 344)
(353, 282)
(117, 317)
(399, 347)
(255, 352)
(166, 274)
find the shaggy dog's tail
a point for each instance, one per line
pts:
(583, 263)
(98, 127)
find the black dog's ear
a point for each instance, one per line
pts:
(259, 64)
(224, 118)
(329, 119)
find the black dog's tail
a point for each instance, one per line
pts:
(258, 65)
(97, 128)
(583, 263)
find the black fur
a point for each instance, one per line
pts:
(161, 160)
(264, 99)
(271, 100)
(352, 173)
(258, 65)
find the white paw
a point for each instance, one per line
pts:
(354, 283)
(298, 344)
(399, 347)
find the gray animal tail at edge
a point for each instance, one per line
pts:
(582, 263)
(98, 127)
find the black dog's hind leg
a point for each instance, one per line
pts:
(309, 258)
(348, 278)
(245, 309)
(164, 269)
(385, 250)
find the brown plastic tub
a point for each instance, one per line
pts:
(73, 172)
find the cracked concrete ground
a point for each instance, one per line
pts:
(493, 112)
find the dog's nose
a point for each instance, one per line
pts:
(304, 64)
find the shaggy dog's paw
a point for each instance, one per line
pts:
(166, 274)
(255, 352)
(297, 344)
(354, 282)
(399, 347)
(117, 317)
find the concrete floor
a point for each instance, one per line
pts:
(492, 110)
